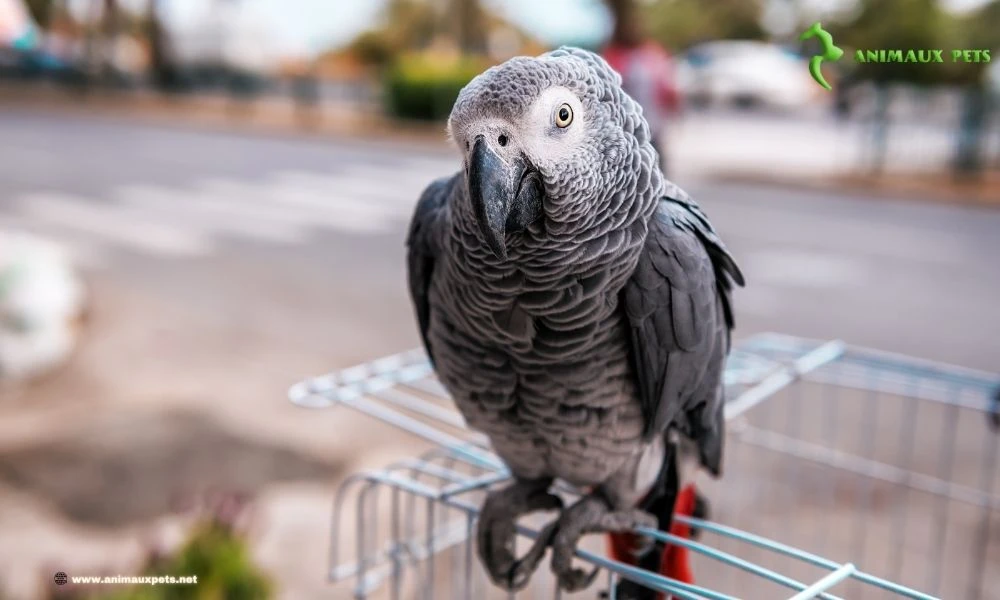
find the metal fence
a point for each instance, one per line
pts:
(849, 474)
(910, 129)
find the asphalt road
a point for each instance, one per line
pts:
(209, 220)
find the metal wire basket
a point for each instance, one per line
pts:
(847, 470)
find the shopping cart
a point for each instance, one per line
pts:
(849, 473)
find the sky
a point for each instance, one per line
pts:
(310, 26)
(328, 23)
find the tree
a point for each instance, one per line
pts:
(111, 27)
(679, 24)
(373, 48)
(470, 23)
(165, 73)
(982, 28)
(626, 30)
(406, 25)
(916, 24)
(41, 11)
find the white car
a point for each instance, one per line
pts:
(746, 73)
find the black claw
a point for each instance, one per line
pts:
(518, 578)
(526, 566)
(496, 534)
(577, 579)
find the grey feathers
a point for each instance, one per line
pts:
(606, 320)
(679, 311)
(424, 242)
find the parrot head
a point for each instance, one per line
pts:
(551, 139)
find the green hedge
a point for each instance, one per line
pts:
(216, 552)
(222, 562)
(419, 87)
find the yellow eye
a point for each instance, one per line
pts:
(564, 116)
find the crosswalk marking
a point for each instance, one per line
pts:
(112, 223)
(331, 206)
(363, 183)
(86, 251)
(211, 212)
(192, 219)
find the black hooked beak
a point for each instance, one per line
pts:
(506, 195)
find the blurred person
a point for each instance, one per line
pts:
(649, 76)
(17, 30)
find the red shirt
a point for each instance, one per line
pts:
(656, 65)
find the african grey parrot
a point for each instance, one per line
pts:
(574, 303)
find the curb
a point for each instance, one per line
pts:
(938, 188)
(256, 115)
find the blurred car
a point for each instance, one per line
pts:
(745, 74)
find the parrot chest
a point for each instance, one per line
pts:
(544, 373)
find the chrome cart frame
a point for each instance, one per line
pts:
(847, 470)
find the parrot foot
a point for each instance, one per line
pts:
(591, 514)
(496, 531)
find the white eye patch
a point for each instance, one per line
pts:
(543, 138)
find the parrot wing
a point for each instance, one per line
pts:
(423, 245)
(678, 307)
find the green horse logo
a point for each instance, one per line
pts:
(830, 52)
